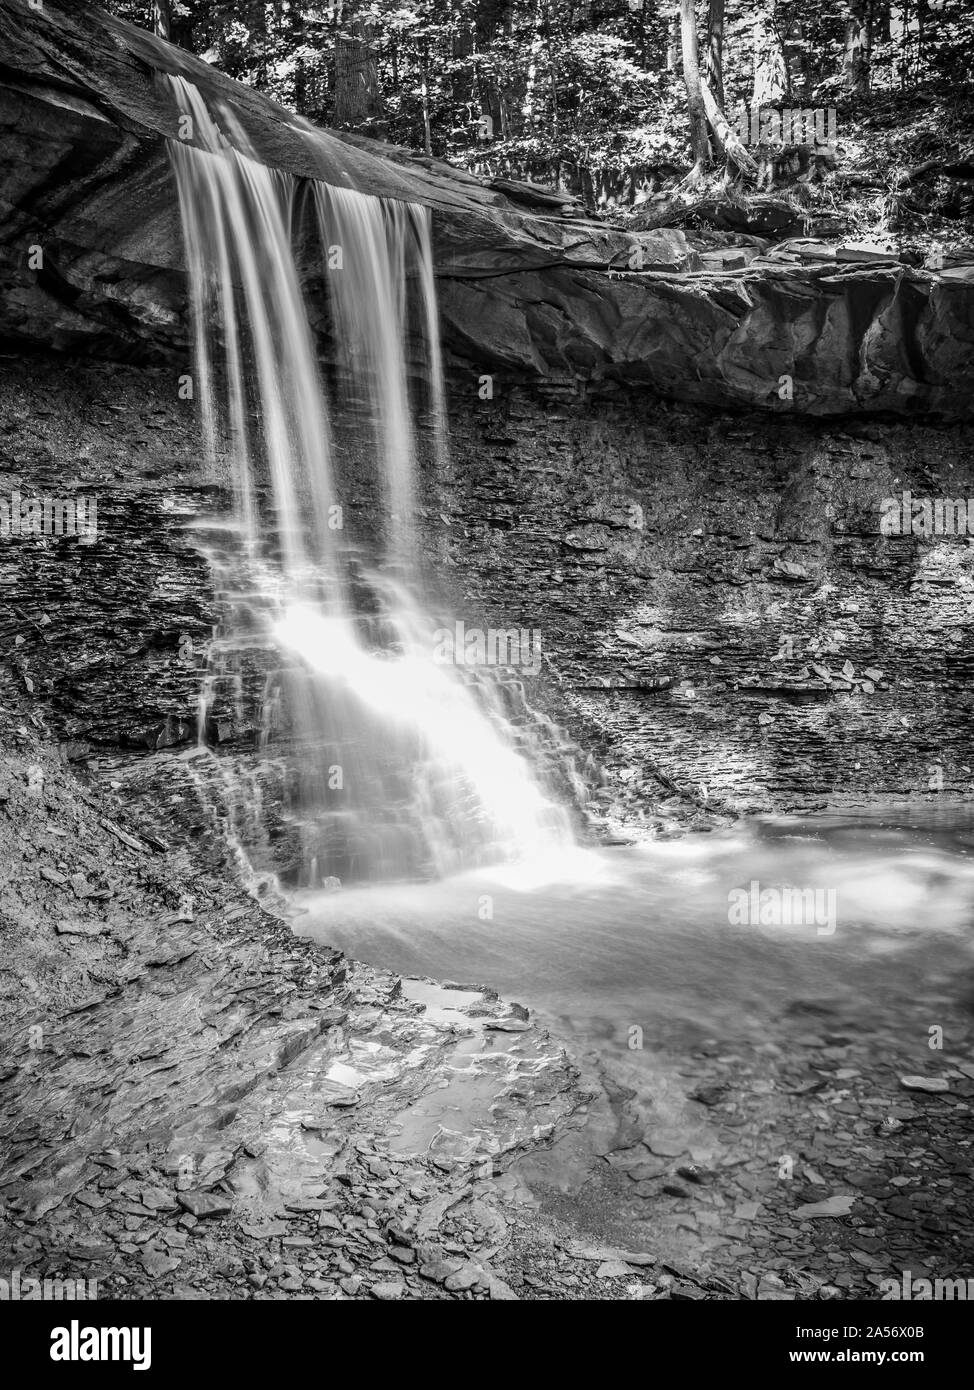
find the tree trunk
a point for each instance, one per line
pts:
(699, 141)
(534, 53)
(425, 98)
(673, 45)
(715, 50)
(357, 100)
(729, 139)
(855, 59)
(770, 80)
(552, 76)
(643, 39)
(899, 30)
(162, 19)
(294, 17)
(463, 42)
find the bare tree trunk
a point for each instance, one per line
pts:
(728, 137)
(699, 141)
(714, 79)
(770, 77)
(715, 50)
(463, 41)
(855, 59)
(643, 44)
(162, 19)
(425, 98)
(673, 45)
(535, 50)
(357, 99)
(801, 33)
(902, 13)
(552, 75)
(294, 18)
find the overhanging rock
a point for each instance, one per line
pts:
(84, 173)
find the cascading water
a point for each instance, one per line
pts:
(398, 766)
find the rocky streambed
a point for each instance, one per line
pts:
(198, 1104)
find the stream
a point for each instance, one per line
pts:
(599, 940)
(746, 1065)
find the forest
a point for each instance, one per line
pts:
(616, 103)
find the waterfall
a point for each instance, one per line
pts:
(399, 766)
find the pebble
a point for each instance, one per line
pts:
(202, 1204)
(934, 1084)
(387, 1292)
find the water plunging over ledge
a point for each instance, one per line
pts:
(389, 764)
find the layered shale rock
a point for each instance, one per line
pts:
(718, 600)
(86, 178)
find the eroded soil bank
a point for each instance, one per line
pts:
(194, 1100)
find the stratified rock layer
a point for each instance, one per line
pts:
(698, 585)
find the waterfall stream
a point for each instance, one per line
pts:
(392, 764)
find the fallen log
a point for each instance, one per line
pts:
(959, 169)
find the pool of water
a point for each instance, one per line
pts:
(695, 936)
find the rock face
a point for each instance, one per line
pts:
(85, 118)
(756, 565)
(716, 596)
(691, 578)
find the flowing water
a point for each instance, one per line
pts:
(674, 996)
(398, 765)
(601, 941)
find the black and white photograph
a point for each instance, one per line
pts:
(486, 675)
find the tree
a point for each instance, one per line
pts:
(605, 94)
(162, 19)
(858, 42)
(715, 50)
(770, 73)
(424, 93)
(357, 99)
(699, 139)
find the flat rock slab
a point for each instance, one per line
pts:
(201, 1204)
(839, 1205)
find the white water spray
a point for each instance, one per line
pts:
(401, 767)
